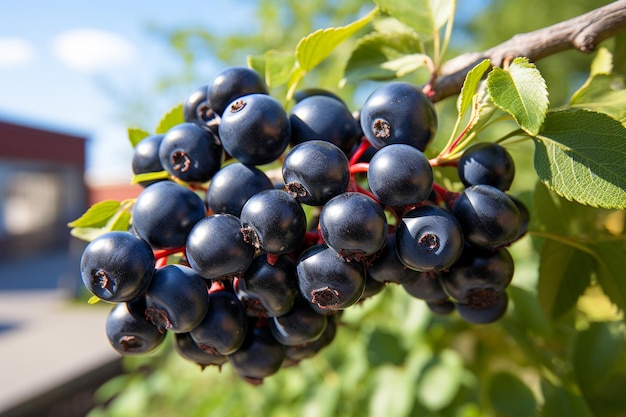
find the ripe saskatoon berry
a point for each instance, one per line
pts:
(488, 217)
(176, 299)
(128, 330)
(300, 95)
(328, 281)
(223, 329)
(300, 325)
(189, 350)
(233, 185)
(273, 221)
(190, 153)
(398, 112)
(400, 174)
(315, 171)
(429, 238)
(259, 357)
(255, 129)
(487, 163)
(216, 249)
(117, 266)
(165, 212)
(146, 157)
(310, 349)
(478, 277)
(426, 286)
(441, 307)
(320, 117)
(269, 289)
(354, 225)
(232, 83)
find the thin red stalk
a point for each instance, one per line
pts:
(358, 153)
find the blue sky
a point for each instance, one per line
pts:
(54, 57)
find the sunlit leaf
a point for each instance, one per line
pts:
(423, 16)
(98, 214)
(170, 119)
(275, 66)
(581, 155)
(135, 135)
(470, 85)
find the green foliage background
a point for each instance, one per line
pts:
(559, 351)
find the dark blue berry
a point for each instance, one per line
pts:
(489, 218)
(426, 286)
(398, 112)
(387, 267)
(128, 330)
(197, 109)
(429, 238)
(189, 350)
(176, 299)
(233, 185)
(165, 212)
(487, 163)
(190, 153)
(273, 221)
(485, 314)
(146, 157)
(232, 83)
(117, 266)
(354, 225)
(299, 325)
(315, 171)
(255, 129)
(259, 357)
(399, 175)
(216, 248)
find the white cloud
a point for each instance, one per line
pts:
(16, 52)
(92, 50)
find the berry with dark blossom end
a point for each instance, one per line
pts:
(197, 109)
(426, 286)
(400, 174)
(216, 248)
(398, 112)
(190, 153)
(165, 212)
(146, 157)
(233, 185)
(231, 83)
(315, 171)
(487, 163)
(255, 129)
(329, 281)
(128, 330)
(309, 349)
(387, 267)
(117, 266)
(189, 350)
(177, 299)
(354, 225)
(488, 217)
(429, 238)
(273, 221)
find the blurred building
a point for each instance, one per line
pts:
(41, 188)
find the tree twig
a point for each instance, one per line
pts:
(583, 33)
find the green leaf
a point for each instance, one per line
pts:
(97, 215)
(383, 348)
(560, 401)
(135, 135)
(393, 394)
(149, 176)
(275, 66)
(170, 119)
(314, 48)
(510, 397)
(384, 56)
(602, 63)
(470, 85)
(564, 274)
(520, 91)
(424, 16)
(597, 352)
(528, 311)
(603, 93)
(611, 273)
(581, 156)
(94, 299)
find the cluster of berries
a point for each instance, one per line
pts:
(254, 269)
